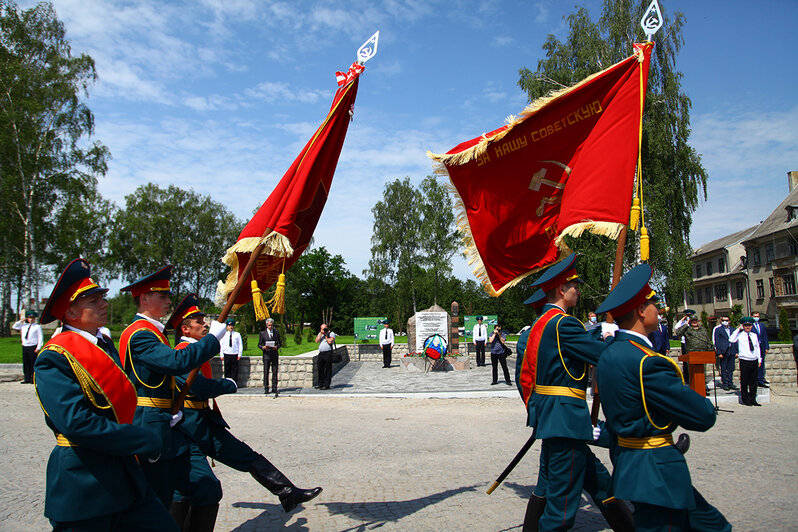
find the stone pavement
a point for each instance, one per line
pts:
(419, 457)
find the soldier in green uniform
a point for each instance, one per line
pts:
(151, 363)
(93, 480)
(644, 399)
(551, 375)
(207, 435)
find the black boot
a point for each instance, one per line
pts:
(179, 511)
(273, 480)
(683, 443)
(618, 516)
(201, 518)
(534, 509)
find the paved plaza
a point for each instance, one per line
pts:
(398, 450)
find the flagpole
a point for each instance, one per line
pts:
(651, 23)
(366, 51)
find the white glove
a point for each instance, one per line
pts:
(176, 419)
(596, 433)
(218, 329)
(153, 460)
(231, 380)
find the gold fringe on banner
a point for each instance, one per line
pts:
(261, 312)
(275, 244)
(609, 229)
(511, 121)
(278, 299)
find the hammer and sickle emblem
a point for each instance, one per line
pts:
(539, 179)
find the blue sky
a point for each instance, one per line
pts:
(220, 95)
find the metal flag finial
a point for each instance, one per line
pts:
(368, 49)
(652, 20)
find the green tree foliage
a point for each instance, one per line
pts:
(785, 333)
(45, 153)
(439, 239)
(319, 283)
(395, 250)
(671, 167)
(173, 226)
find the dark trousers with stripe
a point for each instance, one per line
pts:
(566, 468)
(480, 346)
(386, 355)
(28, 359)
(231, 367)
(748, 381)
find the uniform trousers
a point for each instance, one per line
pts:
(480, 346)
(28, 359)
(386, 355)
(566, 468)
(325, 369)
(161, 475)
(704, 517)
(748, 381)
(270, 363)
(196, 481)
(147, 514)
(231, 367)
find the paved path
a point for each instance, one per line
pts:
(419, 463)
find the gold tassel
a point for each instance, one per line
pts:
(634, 219)
(261, 312)
(644, 243)
(278, 300)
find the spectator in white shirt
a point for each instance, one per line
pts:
(31, 335)
(750, 357)
(232, 349)
(480, 334)
(386, 341)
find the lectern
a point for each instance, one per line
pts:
(695, 362)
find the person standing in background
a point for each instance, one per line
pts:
(750, 355)
(386, 341)
(269, 342)
(32, 338)
(498, 355)
(232, 349)
(764, 346)
(480, 334)
(326, 341)
(660, 338)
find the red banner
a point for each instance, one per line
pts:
(565, 166)
(286, 220)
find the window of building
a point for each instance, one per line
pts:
(691, 298)
(699, 299)
(708, 295)
(698, 271)
(760, 289)
(720, 292)
(772, 288)
(739, 289)
(793, 247)
(770, 256)
(756, 258)
(709, 267)
(721, 265)
(788, 284)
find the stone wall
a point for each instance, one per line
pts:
(298, 371)
(780, 366)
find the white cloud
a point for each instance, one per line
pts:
(270, 92)
(503, 41)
